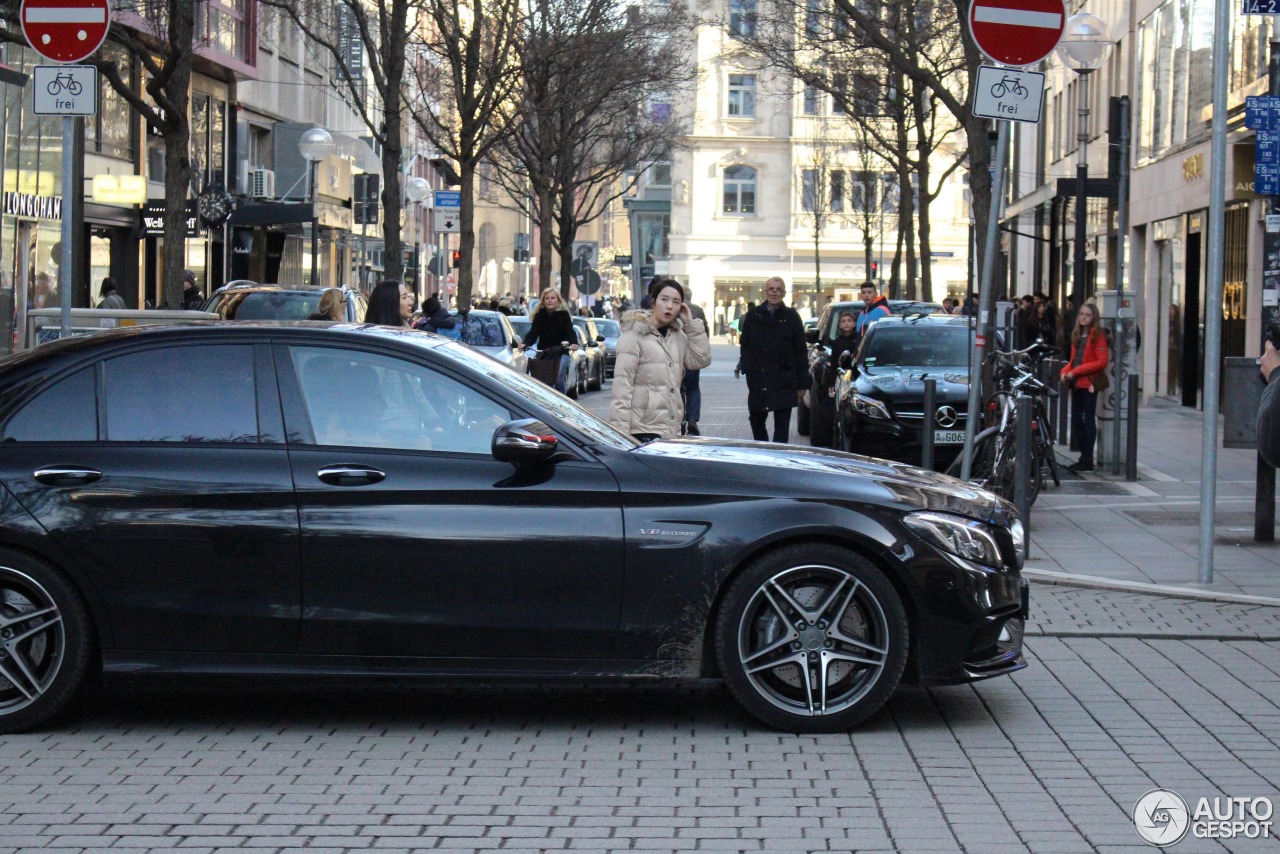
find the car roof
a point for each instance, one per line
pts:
(928, 319)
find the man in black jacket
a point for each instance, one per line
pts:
(774, 360)
(1269, 409)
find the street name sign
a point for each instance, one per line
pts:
(1260, 7)
(65, 30)
(448, 211)
(1008, 93)
(1017, 32)
(65, 90)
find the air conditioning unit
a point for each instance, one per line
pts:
(262, 183)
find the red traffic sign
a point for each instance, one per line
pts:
(1017, 32)
(65, 30)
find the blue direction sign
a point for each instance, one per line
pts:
(1262, 112)
(1267, 147)
(453, 198)
(1266, 179)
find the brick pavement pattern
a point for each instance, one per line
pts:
(1124, 693)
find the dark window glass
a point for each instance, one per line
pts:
(182, 394)
(67, 411)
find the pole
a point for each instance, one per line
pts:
(1213, 303)
(1122, 245)
(987, 299)
(1082, 192)
(1131, 458)
(315, 224)
(1022, 465)
(927, 417)
(68, 225)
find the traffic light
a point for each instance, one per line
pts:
(875, 269)
(457, 257)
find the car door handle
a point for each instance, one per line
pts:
(66, 476)
(350, 475)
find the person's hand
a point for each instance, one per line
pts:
(737, 373)
(573, 347)
(800, 395)
(1269, 361)
(1068, 375)
(686, 316)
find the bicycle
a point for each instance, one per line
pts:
(1009, 85)
(994, 460)
(64, 81)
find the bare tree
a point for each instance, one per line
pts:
(159, 35)
(594, 109)
(465, 82)
(378, 32)
(824, 194)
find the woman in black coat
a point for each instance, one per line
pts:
(775, 362)
(550, 327)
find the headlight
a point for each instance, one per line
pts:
(870, 407)
(956, 535)
(1019, 536)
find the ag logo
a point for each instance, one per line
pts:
(1161, 817)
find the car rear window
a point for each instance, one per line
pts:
(271, 305)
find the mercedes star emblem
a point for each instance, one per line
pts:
(947, 416)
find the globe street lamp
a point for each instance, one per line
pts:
(1085, 43)
(315, 145)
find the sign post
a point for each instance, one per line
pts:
(1012, 33)
(66, 31)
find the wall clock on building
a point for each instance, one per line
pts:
(215, 206)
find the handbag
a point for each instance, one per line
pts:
(1100, 382)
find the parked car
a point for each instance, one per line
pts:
(576, 379)
(360, 504)
(612, 332)
(879, 400)
(491, 334)
(816, 416)
(593, 342)
(249, 301)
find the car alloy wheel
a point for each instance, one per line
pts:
(43, 643)
(812, 639)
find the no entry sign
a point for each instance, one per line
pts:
(1017, 32)
(65, 30)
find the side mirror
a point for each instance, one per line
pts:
(526, 440)
(515, 342)
(600, 338)
(811, 335)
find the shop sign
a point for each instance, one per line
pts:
(153, 220)
(119, 189)
(25, 204)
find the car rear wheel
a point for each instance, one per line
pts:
(44, 643)
(812, 638)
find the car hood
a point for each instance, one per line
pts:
(820, 473)
(907, 382)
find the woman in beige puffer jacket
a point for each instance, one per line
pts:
(654, 351)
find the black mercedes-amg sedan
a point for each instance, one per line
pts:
(339, 502)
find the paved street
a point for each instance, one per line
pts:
(1127, 690)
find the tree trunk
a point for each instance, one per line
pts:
(546, 238)
(817, 261)
(907, 218)
(466, 234)
(177, 152)
(392, 203)
(566, 230)
(926, 199)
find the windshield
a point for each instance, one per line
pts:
(923, 345)
(543, 395)
(608, 328)
(268, 305)
(480, 330)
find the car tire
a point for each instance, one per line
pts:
(45, 642)
(802, 419)
(572, 391)
(820, 425)
(597, 380)
(807, 610)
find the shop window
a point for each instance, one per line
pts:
(812, 101)
(808, 190)
(111, 130)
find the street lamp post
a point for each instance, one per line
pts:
(1084, 47)
(415, 190)
(315, 145)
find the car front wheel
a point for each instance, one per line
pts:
(812, 639)
(44, 643)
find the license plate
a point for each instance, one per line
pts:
(948, 437)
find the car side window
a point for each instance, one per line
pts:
(66, 411)
(199, 393)
(369, 400)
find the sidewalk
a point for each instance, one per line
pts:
(1098, 528)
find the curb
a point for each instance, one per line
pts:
(1071, 579)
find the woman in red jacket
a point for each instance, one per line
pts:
(1088, 362)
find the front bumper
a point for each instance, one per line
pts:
(896, 439)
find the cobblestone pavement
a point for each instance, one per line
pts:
(1052, 759)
